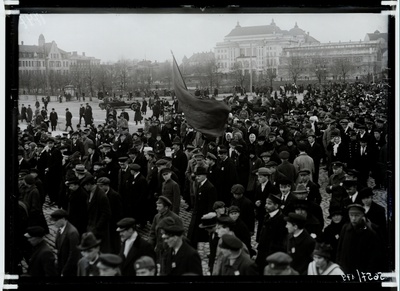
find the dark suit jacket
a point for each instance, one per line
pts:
(186, 261)
(140, 247)
(42, 262)
(300, 249)
(67, 253)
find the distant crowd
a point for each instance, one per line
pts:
(261, 179)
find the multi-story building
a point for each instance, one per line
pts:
(257, 48)
(44, 61)
(295, 54)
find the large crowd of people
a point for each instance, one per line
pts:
(260, 179)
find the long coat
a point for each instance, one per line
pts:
(243, 266)
(140, 247)
(185, 261)
(99, 216)
(116, 215)
(42, 263)
(135, 202)
(77, 209)
(359, 249)
(300, 248)
(272, 238)
(206, 195)
(230, 177)
(67, 253)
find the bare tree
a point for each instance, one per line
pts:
(237, 75)
(295, 66)
(342, 67)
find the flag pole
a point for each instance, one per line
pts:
(178, 69)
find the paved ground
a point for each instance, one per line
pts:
(99, 117)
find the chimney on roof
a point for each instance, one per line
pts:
(75, 53)
(22, 42)
(83, 53)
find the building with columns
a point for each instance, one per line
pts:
(257, 48)
(295, 55)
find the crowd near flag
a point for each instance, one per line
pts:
(207, 116)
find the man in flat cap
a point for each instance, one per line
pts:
(206, 195)
(115, 201)
(235, 262)
(145, 266)
(171, 189)
(135, 200)
(359, 248)
(179, 160)
(273, 231)
(286, 167)
(228, 174)
(278, 263)
(163, 206)
(304, 178)
(98, 212)
(66, 242)
(300, 244)
(109, 265)
(133, 245)
(42, 262)
(181, 258)
(263, 189)
(214, 169)
(246, 206)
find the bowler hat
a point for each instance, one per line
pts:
(88, 241)
(59, 213)
(208, 221)
(109, 260)
(300, 189)
(35, 231)
(226, 221)
(29, 179)
(80, 168)
(126, 223)
(295, 218)
(230, 242)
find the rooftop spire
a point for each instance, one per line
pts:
(238, 25)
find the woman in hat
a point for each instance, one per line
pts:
(322, 264)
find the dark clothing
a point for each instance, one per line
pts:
(42, 262)
(300, 248)
(185, 261)
(140, 247)
(67, 253)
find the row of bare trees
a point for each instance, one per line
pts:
(121, 77)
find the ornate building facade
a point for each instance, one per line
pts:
(295, 55)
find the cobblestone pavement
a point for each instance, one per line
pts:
(203, 248)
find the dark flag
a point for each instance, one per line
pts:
(205, 115)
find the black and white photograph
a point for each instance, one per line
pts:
(201, 146)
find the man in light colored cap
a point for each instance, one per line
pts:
(278, 263)
(145, 266)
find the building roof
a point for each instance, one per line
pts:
(377, 35)
(37, 49)
(269, 29)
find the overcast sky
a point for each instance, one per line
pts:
(111, 37)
